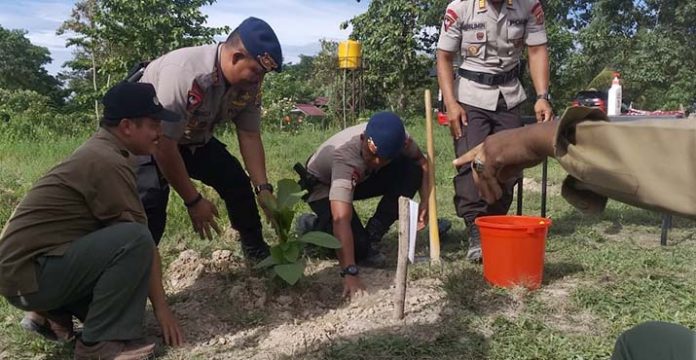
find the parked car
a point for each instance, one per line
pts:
(591, 98)
(598, 99)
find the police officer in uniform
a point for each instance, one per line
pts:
(207, 85)
(357, 163)
(489, 36)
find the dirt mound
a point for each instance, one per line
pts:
(229, 311)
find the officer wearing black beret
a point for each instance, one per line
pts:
(207, 85)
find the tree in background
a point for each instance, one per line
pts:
(111, 36)
(652, 43)
(394, 36)
(22, 66)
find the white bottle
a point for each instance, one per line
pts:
(614, 100)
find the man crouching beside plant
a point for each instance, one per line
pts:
(78, 244)
(377, 158)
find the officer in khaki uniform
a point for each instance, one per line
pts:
(358, 163)
(207, 85)
(603, 160)
(78, 244)
(489, 36)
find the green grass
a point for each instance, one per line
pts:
(603, 273)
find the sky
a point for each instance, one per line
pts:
(299, 24)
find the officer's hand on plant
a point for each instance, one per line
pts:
(457, 120)
(543, 111)
(265, 197)
(503, 155)
(203, 215)
(353, 286)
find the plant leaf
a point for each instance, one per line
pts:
(292, 251)
(267, 262)
(320, 238)
(289, 193)
(290, 272)
(277, 254)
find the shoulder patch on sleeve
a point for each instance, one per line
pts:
(450, 18)
(355, 177)
(195, 97)
(538, 13)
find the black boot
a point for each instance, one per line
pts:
(253, 246)
(474, 252)
(376, 230)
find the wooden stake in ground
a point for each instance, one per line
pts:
(402, 259)
(432, 203)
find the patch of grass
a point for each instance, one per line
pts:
(608, 271)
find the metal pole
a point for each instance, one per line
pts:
(520, 186)
(544, 180)
(344, 98)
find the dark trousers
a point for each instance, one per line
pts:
(656, 340)
(213, 165)
(467, 201)
(102, 279)
(401, 177)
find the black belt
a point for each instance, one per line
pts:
(490, 79)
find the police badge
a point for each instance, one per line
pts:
(267, 62)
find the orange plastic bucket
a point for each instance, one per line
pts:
(513, 249)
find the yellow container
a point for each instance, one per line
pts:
(349, 54)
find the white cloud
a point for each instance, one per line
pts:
(299, 24)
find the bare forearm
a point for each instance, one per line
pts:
(343, 232)
(445, 77)
(174, 170)
(539, 67)
(541, 137)
(156, 289)
(424, 191)
(254, 156)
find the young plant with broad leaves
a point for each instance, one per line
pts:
(286, 256)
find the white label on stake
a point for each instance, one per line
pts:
(412, 226)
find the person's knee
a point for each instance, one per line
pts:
(138, 238)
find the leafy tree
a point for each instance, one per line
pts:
(391, 35)
(22, 65)
(113, 35)
(652, 43)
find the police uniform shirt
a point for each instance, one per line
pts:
(94, 188)
(189, 81)
(646, 163)
(491, 42)
(339, 166)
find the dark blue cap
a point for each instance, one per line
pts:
(262, 43)
(133, 100)
(386, 130)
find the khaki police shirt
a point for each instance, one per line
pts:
(492, 42)
(339, 166)
(189, 81)
(93, 188)
(645, 163)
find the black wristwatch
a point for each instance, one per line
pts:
(545, 95)
(261, 187)
(351, 270)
